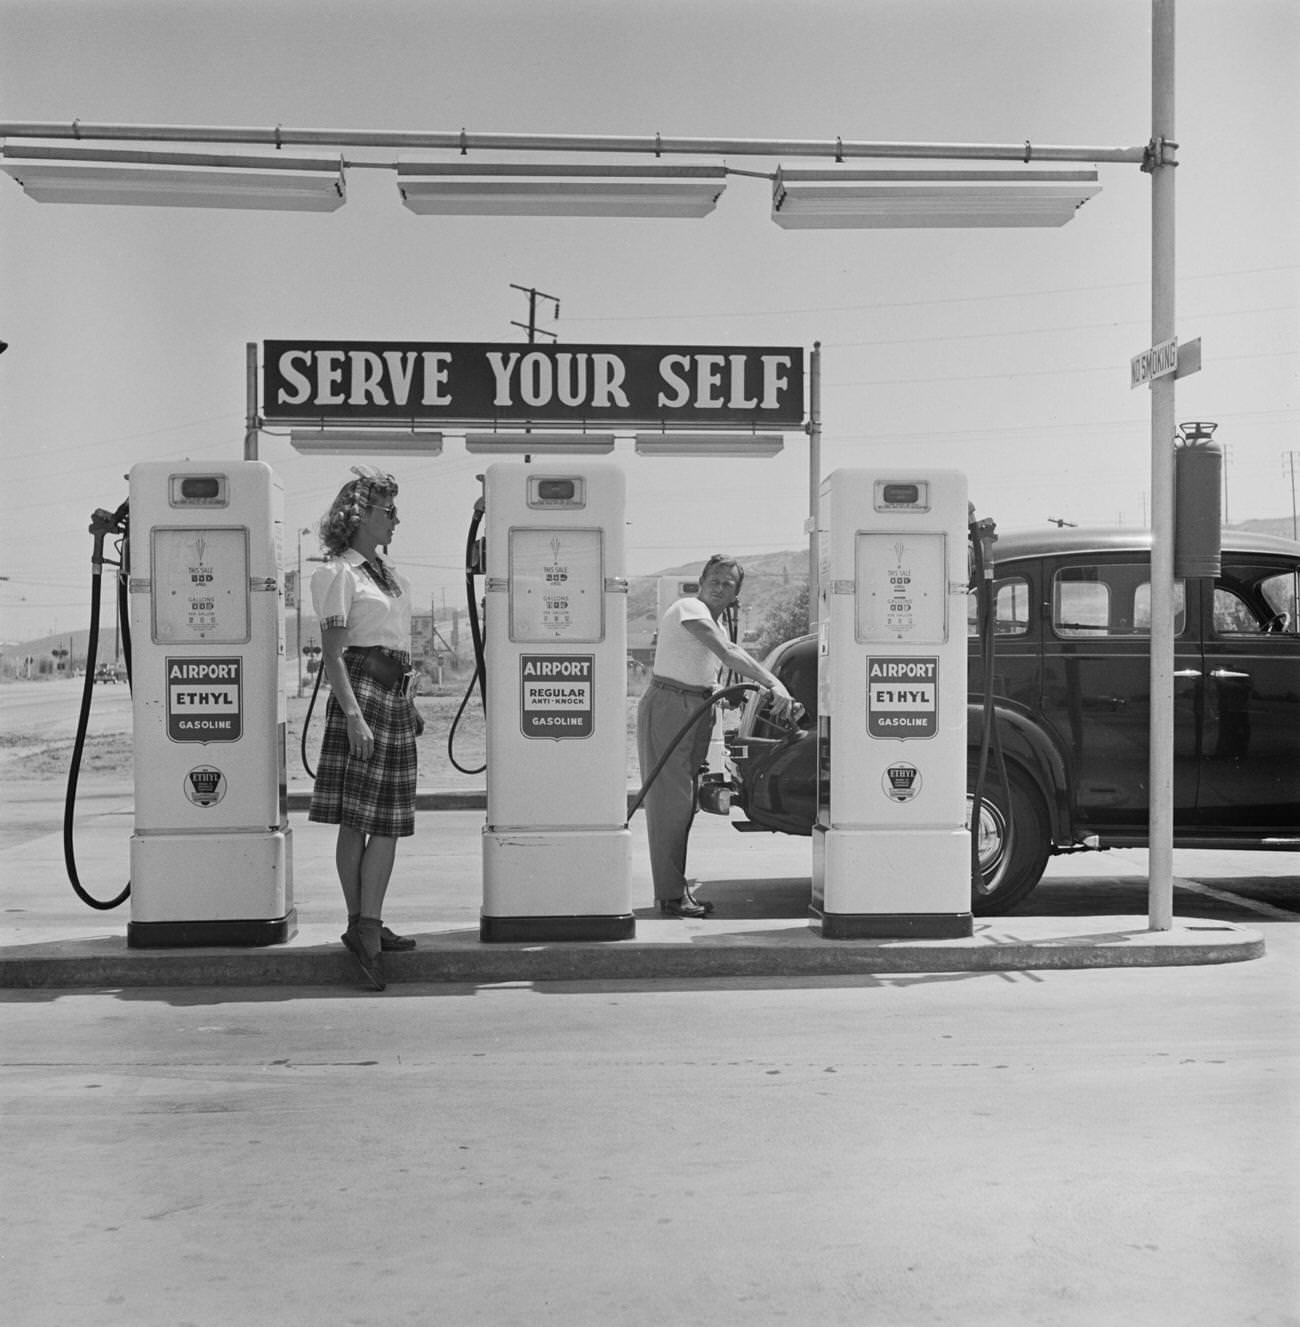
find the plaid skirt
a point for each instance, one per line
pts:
(375, 796)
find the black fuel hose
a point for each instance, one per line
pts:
(716, 699)
(476, 632)
(306, 723)
(986, 616)
(102, 524)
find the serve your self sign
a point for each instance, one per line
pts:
(440, 382)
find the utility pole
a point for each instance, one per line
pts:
(531, 326)
(1289, 462)
(1227, 451)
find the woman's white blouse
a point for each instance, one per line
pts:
(344, 594)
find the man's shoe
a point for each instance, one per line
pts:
(390, 942)
(681, 907)
(691, 897)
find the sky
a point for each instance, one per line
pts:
(1002, 353)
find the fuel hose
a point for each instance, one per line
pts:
(102, 523)
(726, 695)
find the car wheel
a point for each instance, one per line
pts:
(1013, 840)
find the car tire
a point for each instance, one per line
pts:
(1015, 841)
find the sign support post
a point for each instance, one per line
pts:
(1161, 769)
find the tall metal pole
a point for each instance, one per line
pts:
(297, 604)
(250, 398)
(1161, 768)
(814, 470)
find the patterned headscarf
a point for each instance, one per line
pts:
(371, 488)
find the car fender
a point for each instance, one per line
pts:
(1030, 745)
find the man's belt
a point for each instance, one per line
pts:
(670, 684)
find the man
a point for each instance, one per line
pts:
(690, 650)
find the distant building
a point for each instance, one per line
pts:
(422, 636)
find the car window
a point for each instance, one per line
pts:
(1233, 615)
(1011, 608)
(1280, 593)
(1254, 599)
(1142, 609)
(1104, 600)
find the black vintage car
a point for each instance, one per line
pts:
(1068, 766)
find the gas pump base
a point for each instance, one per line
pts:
(243, 933)
(584, 872)
(191, 890)
(917, 881)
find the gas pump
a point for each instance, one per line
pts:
(556, 847)
(211, 860)
(891, 852)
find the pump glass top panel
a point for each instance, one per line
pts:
(557, 581)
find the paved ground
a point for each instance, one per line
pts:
(1055, 1149)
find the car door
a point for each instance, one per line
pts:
(1097, 686)
(1250, 755)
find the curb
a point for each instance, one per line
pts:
(462, 958)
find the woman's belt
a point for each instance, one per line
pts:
(390, 668)
(671, 684)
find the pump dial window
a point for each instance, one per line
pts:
(556, 586)
(198, 491)
(557, 491)
(899, 495)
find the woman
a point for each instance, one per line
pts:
(365, 778)
(690, 647)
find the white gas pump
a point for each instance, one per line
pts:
(891, 852)
(556, 847)
(211, 860)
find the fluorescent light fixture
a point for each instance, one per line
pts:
(874, 199)
(390, 442)
(176, 179)
(461, 189)
(521, 444)
(709, 444)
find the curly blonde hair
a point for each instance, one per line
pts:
(371, 488)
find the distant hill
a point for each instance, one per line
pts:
(768, 577)
(1278, 525)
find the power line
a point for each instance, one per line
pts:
(917, 304)
(1053, 372)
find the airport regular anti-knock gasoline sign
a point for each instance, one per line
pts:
(902, 697)
(557, 695)
(419, 382)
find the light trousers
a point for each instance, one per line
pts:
(670, 803)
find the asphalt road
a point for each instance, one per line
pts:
(1108, 1147)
